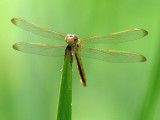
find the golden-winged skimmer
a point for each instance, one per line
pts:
(79, 50)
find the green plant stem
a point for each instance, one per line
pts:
(65, 95)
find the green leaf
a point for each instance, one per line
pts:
(65, 97)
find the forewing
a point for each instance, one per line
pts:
(118, 37)
(41, 49)
(112, 55)
(33, 28)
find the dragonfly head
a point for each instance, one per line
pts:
(72, 39)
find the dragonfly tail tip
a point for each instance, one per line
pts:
(84, 84)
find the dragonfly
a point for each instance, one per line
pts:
(77, 50)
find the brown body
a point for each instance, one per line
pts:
(74, 42)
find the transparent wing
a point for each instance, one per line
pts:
(112, 55)
(31, 27)
(118, 37)
(41, 49)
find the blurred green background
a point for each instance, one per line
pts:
(29, 84)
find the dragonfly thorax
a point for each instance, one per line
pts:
(72, 39)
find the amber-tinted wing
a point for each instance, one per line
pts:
(112, 55)
(41, 49)
(118, 37)
(31, 27)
